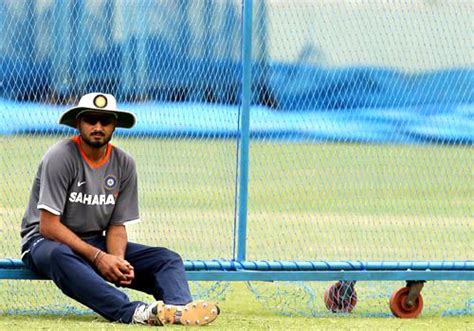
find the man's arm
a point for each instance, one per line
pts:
(116, 240)
(52, 228)
(115, 269)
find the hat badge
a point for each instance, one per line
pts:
(100, 101)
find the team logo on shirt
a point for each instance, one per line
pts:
(92, 199)
(110, 182)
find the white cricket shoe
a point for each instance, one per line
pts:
(195, 313)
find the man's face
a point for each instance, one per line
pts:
(96, 130)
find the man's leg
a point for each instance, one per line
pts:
(78, 280)
(159, 272)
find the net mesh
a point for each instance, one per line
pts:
(361, 131)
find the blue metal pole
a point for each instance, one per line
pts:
(245, 128)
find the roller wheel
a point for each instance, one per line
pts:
(399, 307)
(340, 297)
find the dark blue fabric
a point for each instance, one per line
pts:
(158, 271)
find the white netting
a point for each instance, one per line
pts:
(361, 128)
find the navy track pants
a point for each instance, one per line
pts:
(158, 271)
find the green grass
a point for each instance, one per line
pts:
(241, 311)
(325, 201)
(306, 202)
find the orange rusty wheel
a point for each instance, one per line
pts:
(399, 307)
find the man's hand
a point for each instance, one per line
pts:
(130, 277)
(115, 269)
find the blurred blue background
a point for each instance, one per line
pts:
(321, 71)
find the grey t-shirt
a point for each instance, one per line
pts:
(87, 196)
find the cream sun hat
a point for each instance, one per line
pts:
(99, 103)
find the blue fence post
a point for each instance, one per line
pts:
(79, 48)
(61, 47)
(244, 129)
(141, 76)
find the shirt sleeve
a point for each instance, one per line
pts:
(126, 204)
(54, 183)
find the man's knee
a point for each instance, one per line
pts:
(61, 257)
(148, 258)
(165, 258)
(49, 255)
(57, 254)
(172, 256)
(60, 253)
